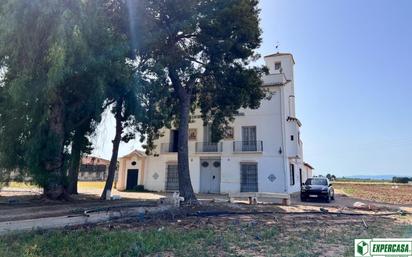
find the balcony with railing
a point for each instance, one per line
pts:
(168, 148)
(206, 147)
(248, 146)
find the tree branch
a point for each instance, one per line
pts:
(195, 60)
(177, 85)
(178, 37)
(108, 104)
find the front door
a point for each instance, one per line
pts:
(210, 176)
(132, 176)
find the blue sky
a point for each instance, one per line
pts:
(353, 80)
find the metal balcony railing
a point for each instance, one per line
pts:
(206, 147)
(248, 146)
(168, 148)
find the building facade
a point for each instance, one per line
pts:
(93, 169)
(307, 172)
(261, 151)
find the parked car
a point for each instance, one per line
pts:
(317, 188)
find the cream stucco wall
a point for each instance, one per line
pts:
(125, 164)
(272, 128)
(307, 172)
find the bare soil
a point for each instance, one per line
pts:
(285, 231)
(27, 203)
(383, 193)
(22, 204)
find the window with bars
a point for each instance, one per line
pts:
(172, 178)
(292, 174)
(249, 177)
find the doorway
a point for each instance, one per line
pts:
(132, 176)
(210, 176)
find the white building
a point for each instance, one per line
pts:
(261, 152)
(307, 172)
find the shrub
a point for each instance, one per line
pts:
(403, 180)
(3, 178)
(139, 188)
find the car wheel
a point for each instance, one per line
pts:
(328, 198)
(333, 196)
(303, 199)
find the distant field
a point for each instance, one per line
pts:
(380, 192)
(373, 182)
(364, 180)
(91, 184)
(80, 184)
(21, 185)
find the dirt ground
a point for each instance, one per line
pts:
(285, 232)
(398, 194)
(313, 228)
(26, 203)
(262, 230)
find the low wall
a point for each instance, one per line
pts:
(89, 217)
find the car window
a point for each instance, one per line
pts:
(316, 181)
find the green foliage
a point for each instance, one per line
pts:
(103, 243)
(139, 188)
(331, 177)
(213, 239)
(201, 49)
(63, 62)
(403, 180)
(4, 178)
(54, 53)
(25, 52)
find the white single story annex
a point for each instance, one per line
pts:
(261, 152)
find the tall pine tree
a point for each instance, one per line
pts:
(199, 53)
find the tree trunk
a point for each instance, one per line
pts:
(185, 184)
(54, 188)
(75, 162)
(116, 142)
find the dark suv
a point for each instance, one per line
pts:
(317, 188)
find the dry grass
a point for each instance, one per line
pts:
(91, 184)
(80, 184)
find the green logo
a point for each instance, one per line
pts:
(383, 247)
(362, 248)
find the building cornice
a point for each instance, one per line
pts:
(281, 54)
(294, 119)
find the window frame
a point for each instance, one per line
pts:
(249, 186)
(167, 182)
(292, 174)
